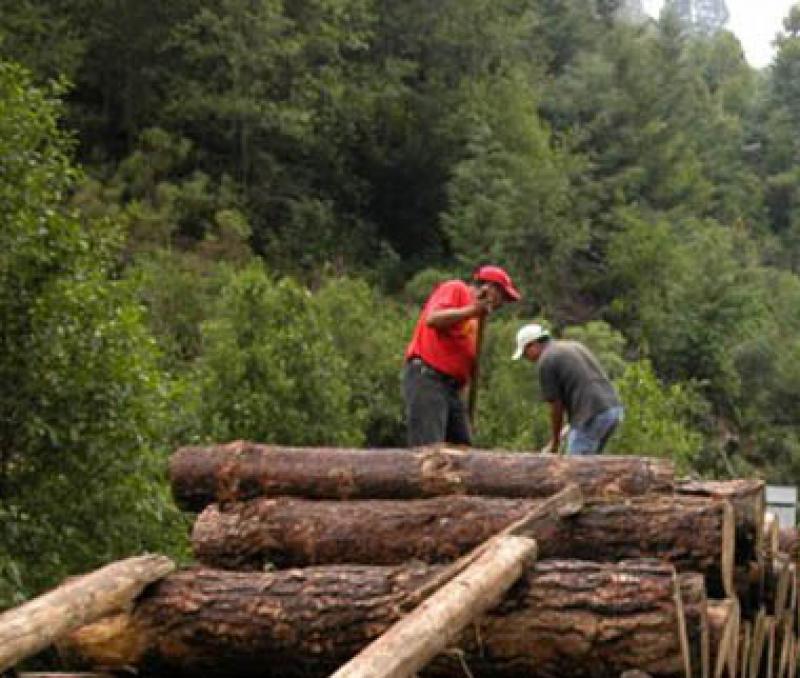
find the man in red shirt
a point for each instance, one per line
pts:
(442, 354)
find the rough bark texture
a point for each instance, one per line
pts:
(33, 626)
(541, 520)
(748, 499)
(418, 637)
(290, 532)
(564, 618)
(202, 475)
(695, 534)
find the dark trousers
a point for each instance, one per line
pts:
(435, 412)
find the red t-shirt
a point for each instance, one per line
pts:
(451, 351)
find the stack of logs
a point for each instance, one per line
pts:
(308, 555)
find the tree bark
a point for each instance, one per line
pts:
(693, 533)
(748, 499)
(418, 637)
(240, 470)
(564, 618)
(31, 627)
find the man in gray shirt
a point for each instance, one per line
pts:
(572, 380)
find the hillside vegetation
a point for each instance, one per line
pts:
(218, 221)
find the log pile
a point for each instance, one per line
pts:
(309, 556)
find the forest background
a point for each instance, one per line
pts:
(218, 220)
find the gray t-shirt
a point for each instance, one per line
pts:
(570, 373)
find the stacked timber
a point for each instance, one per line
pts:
(307, 556)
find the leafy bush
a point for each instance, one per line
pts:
(270, 370)
(370, 332)
(658, 419)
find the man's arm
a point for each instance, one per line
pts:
(556, 422)
(447, 317)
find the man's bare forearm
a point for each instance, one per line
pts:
(448, 317)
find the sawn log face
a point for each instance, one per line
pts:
(564, 618)
(241, 470)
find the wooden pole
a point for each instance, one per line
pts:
(472, 399)
(695, 613)
(723, 621)
(33, 626)
(745, 642)
(544, 517)
(413, 641)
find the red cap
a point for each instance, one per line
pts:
(497, 275)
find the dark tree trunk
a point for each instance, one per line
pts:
(693, 533)
(748, 499)
(564, 618)
(237, 471)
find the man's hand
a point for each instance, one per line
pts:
(483, 305)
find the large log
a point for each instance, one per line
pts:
(564, 618)
(203, 475)
(33, 626)
(748, 499)
(695, 534)
(418, 637)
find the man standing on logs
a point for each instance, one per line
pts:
(441, 356)
(572, 380)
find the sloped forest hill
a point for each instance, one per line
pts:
(218, 220)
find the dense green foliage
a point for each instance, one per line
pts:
(218, 220)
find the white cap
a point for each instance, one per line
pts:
(527, 335)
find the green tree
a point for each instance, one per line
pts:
(508, 195)
(370, 332)
(658, 419)
(270, 370)
(83, 431)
